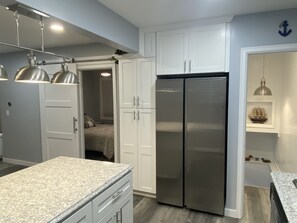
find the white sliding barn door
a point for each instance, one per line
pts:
(59, 117)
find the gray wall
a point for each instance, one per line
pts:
(93, 17)
(21, 130)
(247, 31)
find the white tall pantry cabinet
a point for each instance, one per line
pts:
(137, 121)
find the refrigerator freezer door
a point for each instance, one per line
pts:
(169, 141)
(205, 144)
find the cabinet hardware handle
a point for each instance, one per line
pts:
(119, 217)
(74, 125)
(185, 66)
(138, 101)
(117, 195)
(134, 115)
(190, 66)
(138, 114)
(134, 101)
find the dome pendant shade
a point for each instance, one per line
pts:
(263, 90)
(64, 77)
(31, 73)
(3, 74)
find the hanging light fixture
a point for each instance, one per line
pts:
(64, 77)
(263, 90)
(31, 73)
(3, 74)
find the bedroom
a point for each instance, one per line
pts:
(98, 114)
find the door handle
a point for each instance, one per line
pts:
(134, 112)
(119, 217)
(134, 101)
(74, 125)
(138, 114)
(185, 66)
(138, 101)
(190, 66)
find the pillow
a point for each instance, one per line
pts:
(89, 122)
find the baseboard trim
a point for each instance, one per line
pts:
(231, 213)
(18, 162)
(144, 194)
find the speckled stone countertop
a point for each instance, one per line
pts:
(53, 190)
(287, 193)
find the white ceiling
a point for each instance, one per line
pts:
(147, 13)
(30, 34)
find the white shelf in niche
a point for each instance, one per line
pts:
(269, 104)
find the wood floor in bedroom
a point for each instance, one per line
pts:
(147, 210)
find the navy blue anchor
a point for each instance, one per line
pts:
(285, 32)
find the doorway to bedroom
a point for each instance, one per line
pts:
(98, 111)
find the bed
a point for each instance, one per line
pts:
(100, 138)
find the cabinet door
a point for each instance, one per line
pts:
(127, 83)
(125, 213)
(172, 52)
(146, 79)
(146, 150)
(207, 46)
(83, 215)
(128, 140)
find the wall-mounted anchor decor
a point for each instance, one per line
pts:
(284, 31)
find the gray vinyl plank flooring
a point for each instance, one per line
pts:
(256, 210)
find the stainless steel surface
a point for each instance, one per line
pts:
(3, 74)
(74, 125)
(205, 116)
(31, 73)
(169, 141)
(64, 77)
(38, 51)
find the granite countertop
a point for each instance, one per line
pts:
(53, 190)
(287, 193)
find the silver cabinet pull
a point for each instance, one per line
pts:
(138, 114)
(134, 112)
(134, 101)
(74, 125)
(190, 66)
(138, 101)
(119, 217)
(117, 195)
(185, 66)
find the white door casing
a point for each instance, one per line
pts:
(59, 117)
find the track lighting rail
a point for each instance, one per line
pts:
(66, 58)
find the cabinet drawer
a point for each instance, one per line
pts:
(83, 215)
(106, 201)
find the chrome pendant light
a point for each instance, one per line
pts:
(3, 74)
(263, 90)
(31, 73)
(64, 77)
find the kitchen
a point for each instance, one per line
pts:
(263, 27)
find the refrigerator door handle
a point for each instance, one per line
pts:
(190, 63)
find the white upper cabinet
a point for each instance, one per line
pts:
(194, 50)
(172, 51)
(207, 49)
(137, 83)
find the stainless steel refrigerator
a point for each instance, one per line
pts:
(191, 116)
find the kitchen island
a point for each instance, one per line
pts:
(68, 190)
(287, 193)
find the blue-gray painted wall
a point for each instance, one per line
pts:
(94, 17)
(248, 31)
